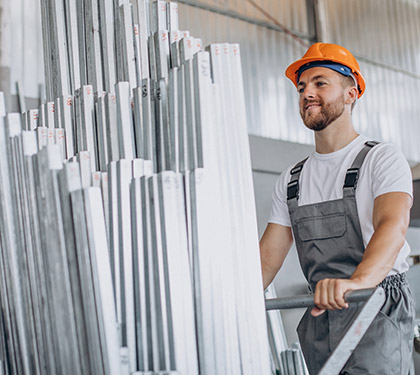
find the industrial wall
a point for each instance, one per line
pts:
(383, 34)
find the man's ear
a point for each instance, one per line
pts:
(351, 94)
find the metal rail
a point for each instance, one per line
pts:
(307, 300)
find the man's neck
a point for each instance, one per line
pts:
(335, 136)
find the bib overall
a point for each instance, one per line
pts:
(329, 242)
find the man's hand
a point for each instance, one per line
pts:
(329, 294)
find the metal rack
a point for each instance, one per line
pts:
(128, 230)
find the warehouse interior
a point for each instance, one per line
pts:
(209, 323)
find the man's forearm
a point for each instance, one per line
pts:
(268, 275)
(380, 254)
(274, 246)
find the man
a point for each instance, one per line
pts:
(347, 209)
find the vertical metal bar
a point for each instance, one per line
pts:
(117, 37)
(73, 44)
(67, 119)
(150, 318)
(88, 124)
(162, 356)
(173, 121)
(60, 140)
(84, 159)
(182, 140)
(190, 115)
(143, 36)
(81, 25)
(174, 37)
(94, 353)
(32, 119)
(125, 121)
(79, 137)
(158, 16)
(50, 136)
(172, 16)
(46, 48)
(127, 44)
(152, 57)
(138, 122)
(69, 180)
(124, 176)
(143, 328)
(114, 240)
(148, 122)
(162, 129)
(161, 39)
(49, 115)
(137, 52)
(112, 127)
(93, 46)
(59, 48)
(102, 280)
(100, 110)
(42, 136)
(105, 198)
(106, 18)
(179, 279)
(57, 113)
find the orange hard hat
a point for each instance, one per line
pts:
(331, 53)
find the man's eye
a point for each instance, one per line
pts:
(320, 83)
(301, 90)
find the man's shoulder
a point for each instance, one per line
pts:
(384, 151)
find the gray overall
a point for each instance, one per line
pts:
(329, 242)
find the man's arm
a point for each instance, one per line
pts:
(391, 215)
(274, 246)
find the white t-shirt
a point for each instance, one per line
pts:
(384, 170)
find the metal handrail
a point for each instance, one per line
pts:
(307, 300)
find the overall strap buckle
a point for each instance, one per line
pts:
(296, 169)
(371, 143)
(293, 185)
(293, 190)
(352, 177)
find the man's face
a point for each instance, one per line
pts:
(321, 97)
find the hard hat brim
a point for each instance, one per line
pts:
(292, 71)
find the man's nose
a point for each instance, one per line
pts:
(307, 92)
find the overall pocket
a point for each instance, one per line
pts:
(321, 227)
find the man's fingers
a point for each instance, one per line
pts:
(329, 294)
(334, 295)
(317, 312)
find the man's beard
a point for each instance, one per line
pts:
(328, 113)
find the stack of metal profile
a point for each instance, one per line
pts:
(128, 228)
(284, 360)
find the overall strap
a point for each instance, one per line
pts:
(352, 175)
(293, 185)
